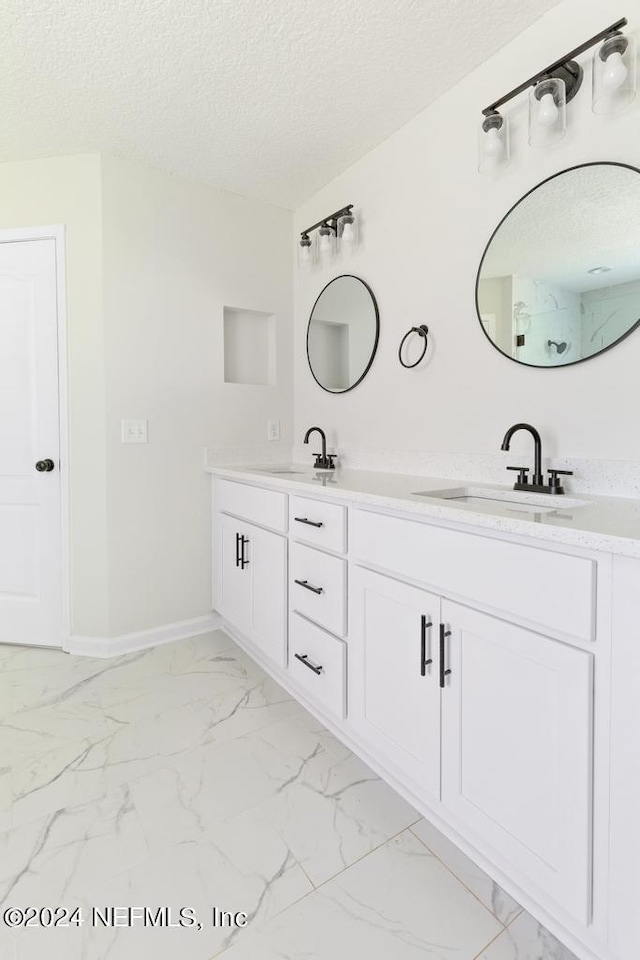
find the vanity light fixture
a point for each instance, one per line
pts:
(347, 231)
(493, 143)
(614, 74)
(305, 250)
(338, 229)
(547, 112)
(551, 89)
(326, 242)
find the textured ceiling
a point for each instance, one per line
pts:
(267, 98)
(589, 217)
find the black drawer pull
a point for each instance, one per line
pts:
(308, 586)
(243, 558)
(443, 635)
(309, 523)
(305, 659)
(237, 549)
(424, 663)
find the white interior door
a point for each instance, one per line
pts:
(30, 507)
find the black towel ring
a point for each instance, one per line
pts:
(422, 330)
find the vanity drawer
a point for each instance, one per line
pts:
(553, 590)
(318, 586)
(317, 522)
(317, 663)
(268, 508)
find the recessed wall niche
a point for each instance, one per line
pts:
(249, 347)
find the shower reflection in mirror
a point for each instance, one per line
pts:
(559, 281)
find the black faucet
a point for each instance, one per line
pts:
(537, 484)
(324, 460)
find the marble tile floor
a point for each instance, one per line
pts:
(183, 776)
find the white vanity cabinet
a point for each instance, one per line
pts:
(394, 697)
(473, 669)
(493, 720)
(318, 602)
(318, 523)
(318, 587)
(318, 665)
(517, 745)
(250, 565)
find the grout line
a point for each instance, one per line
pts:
(518, 914)
(373, 850)
(460, 880)
(499, 934)
(363, 857)
(328, 880)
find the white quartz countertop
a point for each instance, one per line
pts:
(610, 524)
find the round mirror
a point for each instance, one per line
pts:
(559, 281)
(342, 336)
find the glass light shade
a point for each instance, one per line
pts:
(493, 144)
(547, 112)
(347, 232)
(306, 251)
(326, 243)
(614, 74)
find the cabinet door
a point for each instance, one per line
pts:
(394, 697)
(251, 579)
(266, 554)
(517, 747)
(233, 592)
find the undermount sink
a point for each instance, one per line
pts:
(277, 470)
(300, 471)
(509, 500)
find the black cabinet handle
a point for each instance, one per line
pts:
(45, 466)
(237, 549)
(443, 635)
(243, 559)
(309, 523)
(424, 663)
(305, 659)
(308, 586)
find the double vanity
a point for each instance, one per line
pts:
(477, 646)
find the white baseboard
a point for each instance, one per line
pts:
(130, 642)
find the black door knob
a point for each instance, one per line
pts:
(45, 466)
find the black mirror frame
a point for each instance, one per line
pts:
(560, 173)
(375, 343)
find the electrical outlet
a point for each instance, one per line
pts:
(134, 431)
(273, 429)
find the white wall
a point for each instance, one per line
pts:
(66, 190)
(426, 216)
(177, 252)
(151, 262)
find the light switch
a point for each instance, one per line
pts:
(134, 431)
